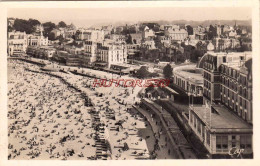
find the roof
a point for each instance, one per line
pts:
(223, 119)
(186, 72)
(75, 44)
(177, 31)
(136, 35)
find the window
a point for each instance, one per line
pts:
(199, 127)
(245, 141)
(208, 138)
(221, 142)
(191, 118)
(224, 59)
(233, 141)
(194, 122)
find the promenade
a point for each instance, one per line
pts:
(179, 144)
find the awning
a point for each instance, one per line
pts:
(171, 90)
(119, 66)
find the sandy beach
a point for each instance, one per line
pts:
(48, 120)
(43, 118)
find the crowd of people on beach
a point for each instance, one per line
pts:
(47, 120)
(50, 120)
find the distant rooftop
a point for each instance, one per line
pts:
(247, 53)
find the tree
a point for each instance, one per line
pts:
(27, 26)
(129, 39)
(179, 57)
(33, 22)
(62, 24)
(73, 37)
(61, 39)
(51, 36)
(167, 71)
(10, 29)
(244, 47)
(195, 55)
(125, 31)
(23, 26)
(189, 30)
(132, 30)
(48, 27)
(212, 32)
(142, 72)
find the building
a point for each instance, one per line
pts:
(189, 80)
(232, 34)
(132, 49)
(211, 64)
(16, 43)
(118, 30)
(167, 27)
(74, 48)
(136, 38)
(149, 44)
(219, 29)
(201, 36)
(134, 28)
(236, 88)
(198, 30)
(163, 40)
(43, 52)
(58, 32)
(10, 22)
(107, 29)
(176, 34)
(111, 54)
(226, 28)
(219, 130)
(224, 122)
(223, 44)
(90, 53)
(147, 33)
(90, 35)
(37, 39)
(117, 38)
(69, 33)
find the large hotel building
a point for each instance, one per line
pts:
(224, 122)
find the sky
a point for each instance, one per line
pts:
(84, 17)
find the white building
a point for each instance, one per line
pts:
(91, 35)
(16, 43)
(147, 33)
(189, 82)
(58, 32)
(111, 54)
(176, 34)
(90, 53)
(149, 44)
(37, 39)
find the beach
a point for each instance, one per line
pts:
(50, 120)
